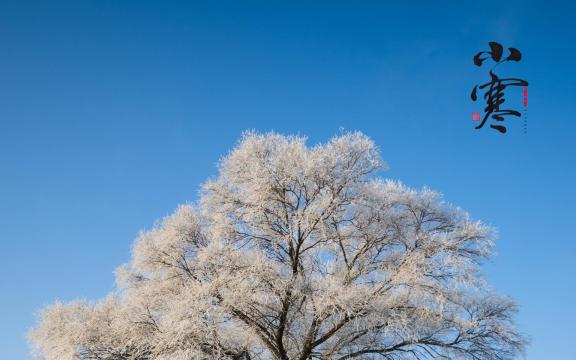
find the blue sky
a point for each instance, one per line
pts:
(114, 112)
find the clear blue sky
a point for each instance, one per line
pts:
(114, 112)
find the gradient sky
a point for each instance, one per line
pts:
(114, 112)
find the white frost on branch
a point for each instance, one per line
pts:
(297, 252)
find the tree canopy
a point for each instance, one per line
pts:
(297, 252)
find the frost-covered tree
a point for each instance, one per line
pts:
(297, 252)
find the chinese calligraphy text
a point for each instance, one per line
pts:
(494, 89)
